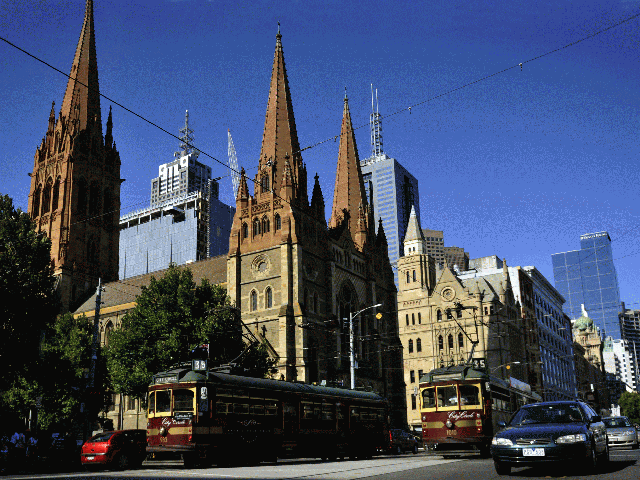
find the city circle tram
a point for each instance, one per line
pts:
(211, 417)
(460, 407)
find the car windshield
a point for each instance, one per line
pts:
(554, 413)
(616, 422)
(101, 437)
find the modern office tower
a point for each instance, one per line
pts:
(547, 326)
(457, 257)
(434, 245)
(630, 328)
(391, 189)
(618, 362)
(588, 277)
(185, 222)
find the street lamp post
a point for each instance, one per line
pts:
(351, 351)
(508, 365)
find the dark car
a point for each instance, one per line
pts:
(119, 449)
(549, 432)
(401, 441)
(621, 433)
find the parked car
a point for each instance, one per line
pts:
(551, 432)
(401, 441)
(119, 449)
(621, 433)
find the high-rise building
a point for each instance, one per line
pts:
(391, 189)
(185, 222)
(630, 328)
(618, 362)
(588, 277)
(75, 184)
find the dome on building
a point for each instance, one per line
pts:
(584, 322)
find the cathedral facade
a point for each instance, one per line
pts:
(298, 280)
(75, 185)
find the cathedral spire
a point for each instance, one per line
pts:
(280, 136)
(349, 193)
(414, 241)
(82, 98)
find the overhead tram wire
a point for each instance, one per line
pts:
(448, 92)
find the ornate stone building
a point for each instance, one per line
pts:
(446, 320)
(75, 184)
(295, 278)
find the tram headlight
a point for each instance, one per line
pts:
(501, 441)
(449, 424)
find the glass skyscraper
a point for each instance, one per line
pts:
(588, 277)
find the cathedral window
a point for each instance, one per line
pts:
(46, 197)
(277, 221)
(92, 251)
(449, 314)
(268, 298)
(94, 199)
(55, 195)
(107, 206)
(440, 343)
(108, 329)
(265, 224)
(407, 319)
(450, 341)
(410, 345)
(413, 319)
(253, 301)
(245, 230)
(459, 312)
(256, 227)
(414, 275)
(439, 315)
(307, 304)
(264, 184)
(82, 197)
(35, 206)
(419, 319)
(460, 340)
(418, 345)
(408, 277)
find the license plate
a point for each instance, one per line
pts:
(533, 452)
(90, 457)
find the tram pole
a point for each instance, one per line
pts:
(352, 355)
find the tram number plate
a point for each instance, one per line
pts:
(533, 452)
(452, 433)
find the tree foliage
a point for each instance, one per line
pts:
(172, 316)
(630, 406)
(27, 300)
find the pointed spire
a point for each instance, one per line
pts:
(317, 199)
(108, 137)
(243, 188)
(82, 98)
(349, 193)
(286, 187)
(414, 241)
(280, 135)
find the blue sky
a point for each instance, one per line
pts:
(518, 165)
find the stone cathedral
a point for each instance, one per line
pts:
(75, 185)
(296, 278)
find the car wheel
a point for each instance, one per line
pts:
(122, 462)
(415, 449)
(592, 461)
(502, 469)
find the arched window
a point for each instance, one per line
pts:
(264, 184)
(418, 345)
(419, 319)
(92, 251)
(414, 275)
(410, 346)
(460, 340)
(278, 223)
(413, 319)
(55, 195)
(440, 343)
(449, 314)
(46, 197)
(94, 198)
(439, 315)
(245, 230)
(407, 319)
(307, 303)
(253, 301)
(459, 312)
(82, 197)
(265, 224)
(108, 330)
(35, 206)
(256, 227)
(450, 341)
(408, 277)
(268, 298)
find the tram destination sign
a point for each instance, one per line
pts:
(165, 378)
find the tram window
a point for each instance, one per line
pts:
(469, 394)
(257, 409)
(447, 396)
(307, 411)
(241, 408)
(327, 412)
(429, 398)
(221, 408)
(183, 400)
(355, 413)
(152, 402)
(271, 408)
(163, 400)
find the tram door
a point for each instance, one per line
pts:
(290, 418)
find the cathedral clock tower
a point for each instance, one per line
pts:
(75, 185)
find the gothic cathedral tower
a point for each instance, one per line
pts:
(75, 184)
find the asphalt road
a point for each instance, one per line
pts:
(624, 465)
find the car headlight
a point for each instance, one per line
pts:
(501, 441)
(629, 432)
(578, 437)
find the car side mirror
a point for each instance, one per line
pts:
(596, 418)
(502, 424)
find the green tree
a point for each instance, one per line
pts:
(630, 406)
(28, 303)
(171, 317)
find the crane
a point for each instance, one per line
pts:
(233, 166)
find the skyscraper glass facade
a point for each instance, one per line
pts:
(588, 276)
(392, 190)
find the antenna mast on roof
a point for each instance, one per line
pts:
(233, 165)
(187, 138)
(375, 121)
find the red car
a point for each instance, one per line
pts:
(120, 449)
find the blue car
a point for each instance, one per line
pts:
(549, 432)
